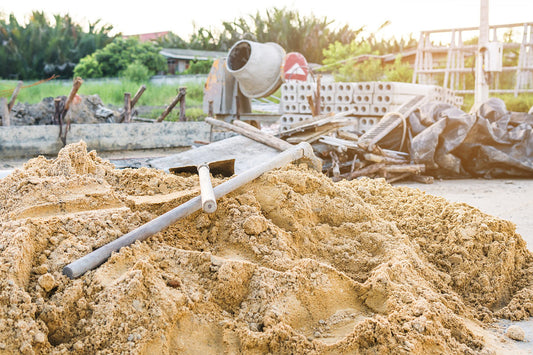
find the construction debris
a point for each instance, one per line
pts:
(420, 136)
(365, 102)
(91, 109)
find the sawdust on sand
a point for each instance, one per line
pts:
(289, 263)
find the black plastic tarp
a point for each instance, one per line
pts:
(492, 143)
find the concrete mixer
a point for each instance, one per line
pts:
(251, 70)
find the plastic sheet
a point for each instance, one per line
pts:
(492, 143)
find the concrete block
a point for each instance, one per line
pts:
(344, 93)
(396, 88)
(361, 109)
(339, 108)
(362, 98)
(328, 109)
(304, 108)
(327, 93)
(378, 110)
(366, 87)
(366, 122)
(289, 92)
(289, 119)
(289, 107)
(304, 90)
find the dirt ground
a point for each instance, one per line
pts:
(510, 199)
(290, 263)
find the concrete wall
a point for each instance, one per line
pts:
(23, 141)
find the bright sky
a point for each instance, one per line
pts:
(406, 16)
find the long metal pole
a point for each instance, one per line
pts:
(482, 86)
(100, 255)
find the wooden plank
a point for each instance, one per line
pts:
(261, 137)
(404, 168)
(383, 159)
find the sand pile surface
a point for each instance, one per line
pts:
(291, 263)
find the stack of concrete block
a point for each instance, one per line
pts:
(368, 101)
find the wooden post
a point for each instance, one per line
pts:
(14, 96)
(75, 87)
(58, 108)
(210, 109)
(183, 90)
(127, 107)
(4, 111)
(137, 96)
(318, 102)
(312, 105)
(170, 107)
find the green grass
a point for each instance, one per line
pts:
(111, 93)
(521, 103)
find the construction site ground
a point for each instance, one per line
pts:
(504, 198)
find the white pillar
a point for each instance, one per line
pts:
(482, 85)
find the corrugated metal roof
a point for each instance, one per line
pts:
(180, 53)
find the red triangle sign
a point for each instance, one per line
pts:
(295, 67)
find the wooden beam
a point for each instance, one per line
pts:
(75, 87)
(127, 107)
(183, 90)
(137, 96)
(14, 96)
(260, 137)
(170, 107)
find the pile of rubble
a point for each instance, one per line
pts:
(90, 109)
(405, 131)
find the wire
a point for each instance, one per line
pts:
(404, 123)
(7, 92)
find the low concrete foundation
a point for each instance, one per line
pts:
(24, 141)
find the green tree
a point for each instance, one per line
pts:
(136, 72)
(308, 35)
(399, 71)
(41, 48)
(88, 68)
(346, 64)
(114, 58)
(360, 60)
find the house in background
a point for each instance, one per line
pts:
(179, 59)
(145, 37)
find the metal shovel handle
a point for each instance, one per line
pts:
(100, 255)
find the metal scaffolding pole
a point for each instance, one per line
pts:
(482, 85)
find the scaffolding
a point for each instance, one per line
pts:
(452, 65)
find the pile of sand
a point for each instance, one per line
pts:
(290, 263)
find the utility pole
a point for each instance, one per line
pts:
(482, 85)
